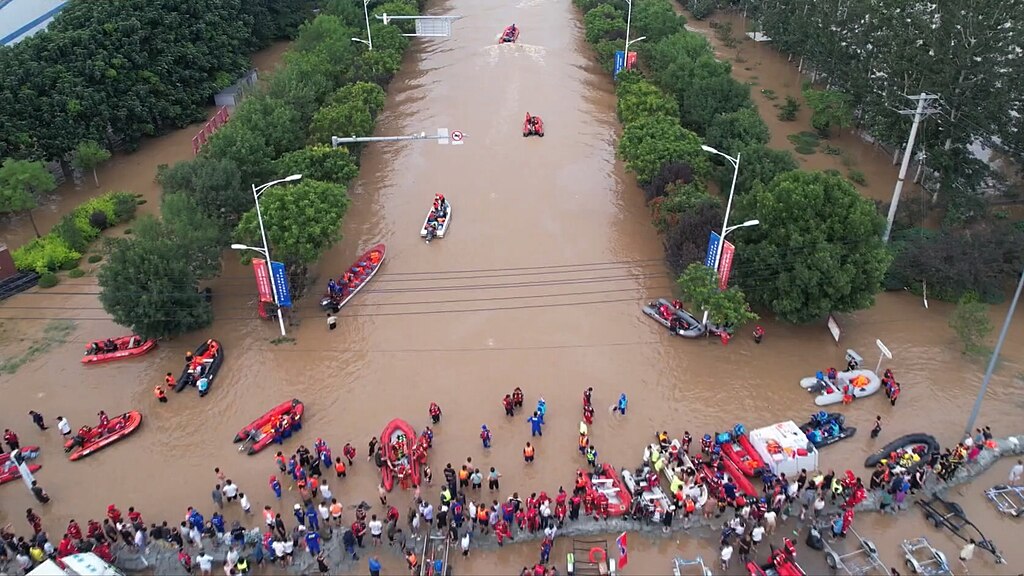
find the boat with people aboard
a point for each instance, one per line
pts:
(100, 351)
(404, 455)
(438, 217)
(342, 289)
(834, 387)
(509, 35)
(201, 367)
(907, 452)
(671, 315)
(737, 448)
(276, 424)
(90, 439)
(827, 428)
(533, 126)
(604, 481)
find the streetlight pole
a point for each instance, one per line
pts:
(728, 208)
(369, 37)
(995, 357)
(629, 20)
(256, 191)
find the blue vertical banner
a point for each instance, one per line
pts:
(620, 62)
(284, 296)
(713, 240)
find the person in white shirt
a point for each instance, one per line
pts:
(325, 492)
(289, 550)
(325, 512)
(726, 555)
(278, 547)
(376, 529)
(195, 536)
(769, 521)
(232, 557)
(244, 501)
(64, 426)
(757, 534)
(464, 542)
(1017, 473)
(230, 491)
(205, 562)
(550, 531)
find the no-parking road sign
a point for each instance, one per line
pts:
(457, 137)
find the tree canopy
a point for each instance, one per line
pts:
(817, 250)
(651, 142)
(21, 183)
(89, 155)
(699, 286)
(215, 187)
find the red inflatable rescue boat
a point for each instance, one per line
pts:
(9, 470)
(743, 455)
(509, 35)
(533, 125)
(126, 347)
(404, 456)
(90, 439)
(607, 482)
(285, 418)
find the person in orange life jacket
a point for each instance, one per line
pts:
(758, 334)
(528, 453)
(677, 304)
(435, 413)
(517, 397)
(104, 420)
(895, 393)
(664, 311)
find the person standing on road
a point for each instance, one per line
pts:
(218, 497)
(536, 422)
(64, 426)
(38, 420)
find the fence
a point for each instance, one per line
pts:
(209, 128)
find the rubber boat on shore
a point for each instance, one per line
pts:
(90, 439)
(680, 322)
(737, 448)
(264, 430)
(730, 473)
(698, 491)
(127, 347)
(533, 126)
(909, 452)
(859, 383)
(827, 428)
(403, 456)
(651, 496)
(369, 263)
(607, 482)
(509, 35)
(442, 220)
(9, 470)
(206, 361)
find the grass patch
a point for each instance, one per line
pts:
(804, 142)
(76, 273)
(857, 177)
(54, 334)
(832, 150)
(48, 280)
(283, 340)
(94, 258)
(848, 160)
(769, 94)
(127, 231)
(805, 150)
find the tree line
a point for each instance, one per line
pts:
(327, 85)
(818, 247)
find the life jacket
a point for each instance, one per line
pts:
(464, 474)
(169, 380)
(528, 451)
(159, 392)
(339, 466)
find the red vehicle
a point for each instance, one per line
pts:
(404, 456)
(606, 481)
(359, 275)
(9, 470)
(285, 418)
(533, 125)
(509, 35)
(93, 438)
(124, 347)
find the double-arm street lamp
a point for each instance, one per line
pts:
(369, 37)
(265, 250)
(629, 19)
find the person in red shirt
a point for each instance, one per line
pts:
(66, 547)
(74, 531)
(114, 514)
(359, 530)
(133, 516)
(94, 530)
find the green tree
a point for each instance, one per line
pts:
(638, 98)
(215, 186)
(377, 66)
(699, 286)
(758, 164)
(21, 184)
(150, 283)
(651, 142)
(273, 119)
(348, 119)
(603, 23)
(89, 155)
(817, 250)
(322, 163)
(246, 149)
(829, 109)
(365, 94)
(971, 324)
(655, 19)
(737, 130)
(302, 220)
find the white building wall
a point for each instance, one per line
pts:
(21, 18)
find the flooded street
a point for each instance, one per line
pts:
(537, 284)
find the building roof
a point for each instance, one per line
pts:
(21, 18)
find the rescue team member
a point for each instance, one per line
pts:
(158, 391)
(528, 453)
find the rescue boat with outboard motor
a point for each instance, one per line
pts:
(826, 428)
(607, 482)
(436, 223)
(677, 320)
(737, 448)
(509, 35)
(533, 126)
(362, 271)
(9, 470)
(404, 457)
(858, 383)
(91, 439)
(205, 363)
(284, 419)
(908, 451)
(124, 347)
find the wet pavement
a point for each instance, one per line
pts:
(538, 284)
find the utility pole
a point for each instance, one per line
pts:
(922, 101)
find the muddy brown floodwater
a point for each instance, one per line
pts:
(538, 284)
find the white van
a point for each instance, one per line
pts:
(85, 564)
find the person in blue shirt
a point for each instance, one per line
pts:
(535, 424)
(203, 385)
(622, 404)
(313, 542)
(196, 519)
(542, 409)
(348, 539)
(300, 515)
(275, 485)
(374, 566)
(312, 518)
(218, 522)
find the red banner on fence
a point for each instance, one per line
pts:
(630, 60)
(725, 265)
(259, 266)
